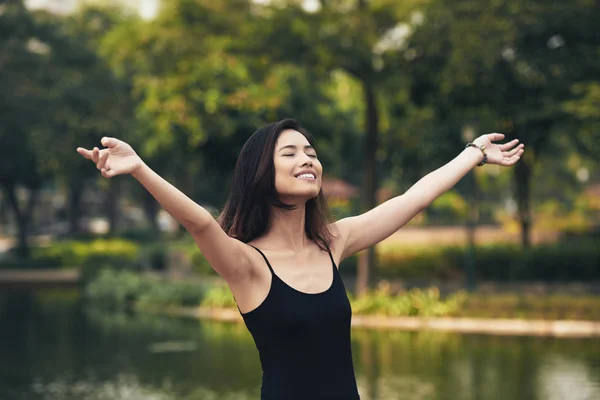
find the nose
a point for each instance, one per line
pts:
(307, 161)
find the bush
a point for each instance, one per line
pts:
(116, 290)
(417, 302)
(218, 297)
(200, 265)
(126, 290)
(420, 262)
(165, 293)
(534, 306)
(448, 208)
(566, 261)
(73, 253)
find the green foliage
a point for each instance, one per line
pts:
(125, 290)
(566, 261)
(532, 306)
(448, 208)
(218, 296)
(188, 87)
(433, 262)
(75, 254)
(164, 293)
(199, 263)
(86, 255)
(416, 302)
(115, 290)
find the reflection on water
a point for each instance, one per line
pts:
(123, 386)
(564, 378)
(53, 348)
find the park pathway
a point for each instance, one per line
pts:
(24, 279)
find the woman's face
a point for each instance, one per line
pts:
(298, 172)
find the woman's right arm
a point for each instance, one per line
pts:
(226, 255)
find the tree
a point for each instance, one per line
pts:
(344, 36)
(58, 95)
(201, 90)
(21, 60)
(519, 59)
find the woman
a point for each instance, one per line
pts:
(278, 251)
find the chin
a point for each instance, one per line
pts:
(298, 197)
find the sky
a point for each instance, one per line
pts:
(146, 8)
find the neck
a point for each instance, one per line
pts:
(286, 228)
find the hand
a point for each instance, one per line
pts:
(117, 159)
(501, 154)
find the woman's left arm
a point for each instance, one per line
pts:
(368, 229)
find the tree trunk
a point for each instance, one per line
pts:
(74, 204)
(151, 208)
(472, 222)
(366, 259)
(522, 176)
(112, 205)
(23, 217)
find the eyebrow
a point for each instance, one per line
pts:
(291, 146)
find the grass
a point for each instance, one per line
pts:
(531, 306)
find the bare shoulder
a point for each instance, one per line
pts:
(253, 258)
(257, 269)
(339, 230)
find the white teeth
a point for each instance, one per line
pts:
(306, 176)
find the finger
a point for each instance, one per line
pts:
(514, 151)
(85, 152)
(494, 137)
(95, 154)
(509, 145)
(109, 142)
(108, 174)
(102, 162)
(513, 160)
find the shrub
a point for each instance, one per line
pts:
(199, 264)
(417, 302)
(125, 290)
(116, 290)
(568, 261)
(73, 253)
(218, 296)
(165, 293)
(420, 262)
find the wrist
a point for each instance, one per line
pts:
(481, 151)
(140, 170)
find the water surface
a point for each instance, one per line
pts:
(52, 347)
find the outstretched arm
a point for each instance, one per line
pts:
(225, 254)
(365, 230)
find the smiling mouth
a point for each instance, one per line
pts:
(307, 177)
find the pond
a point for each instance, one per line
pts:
(52, 347)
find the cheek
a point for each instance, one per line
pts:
(281, 178)
(319, 168)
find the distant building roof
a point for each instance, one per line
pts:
(593, 190)
(339, 189)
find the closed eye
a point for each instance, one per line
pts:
(291, 155)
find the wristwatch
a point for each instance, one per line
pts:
(482, 148)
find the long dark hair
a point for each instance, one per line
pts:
(246, 214)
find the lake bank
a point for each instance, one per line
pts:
(513, 327)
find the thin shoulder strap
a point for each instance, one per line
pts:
(331, 256)
(265, 257)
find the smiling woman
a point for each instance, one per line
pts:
(266, 180)
(278, 249)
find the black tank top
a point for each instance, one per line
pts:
(304, 342)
